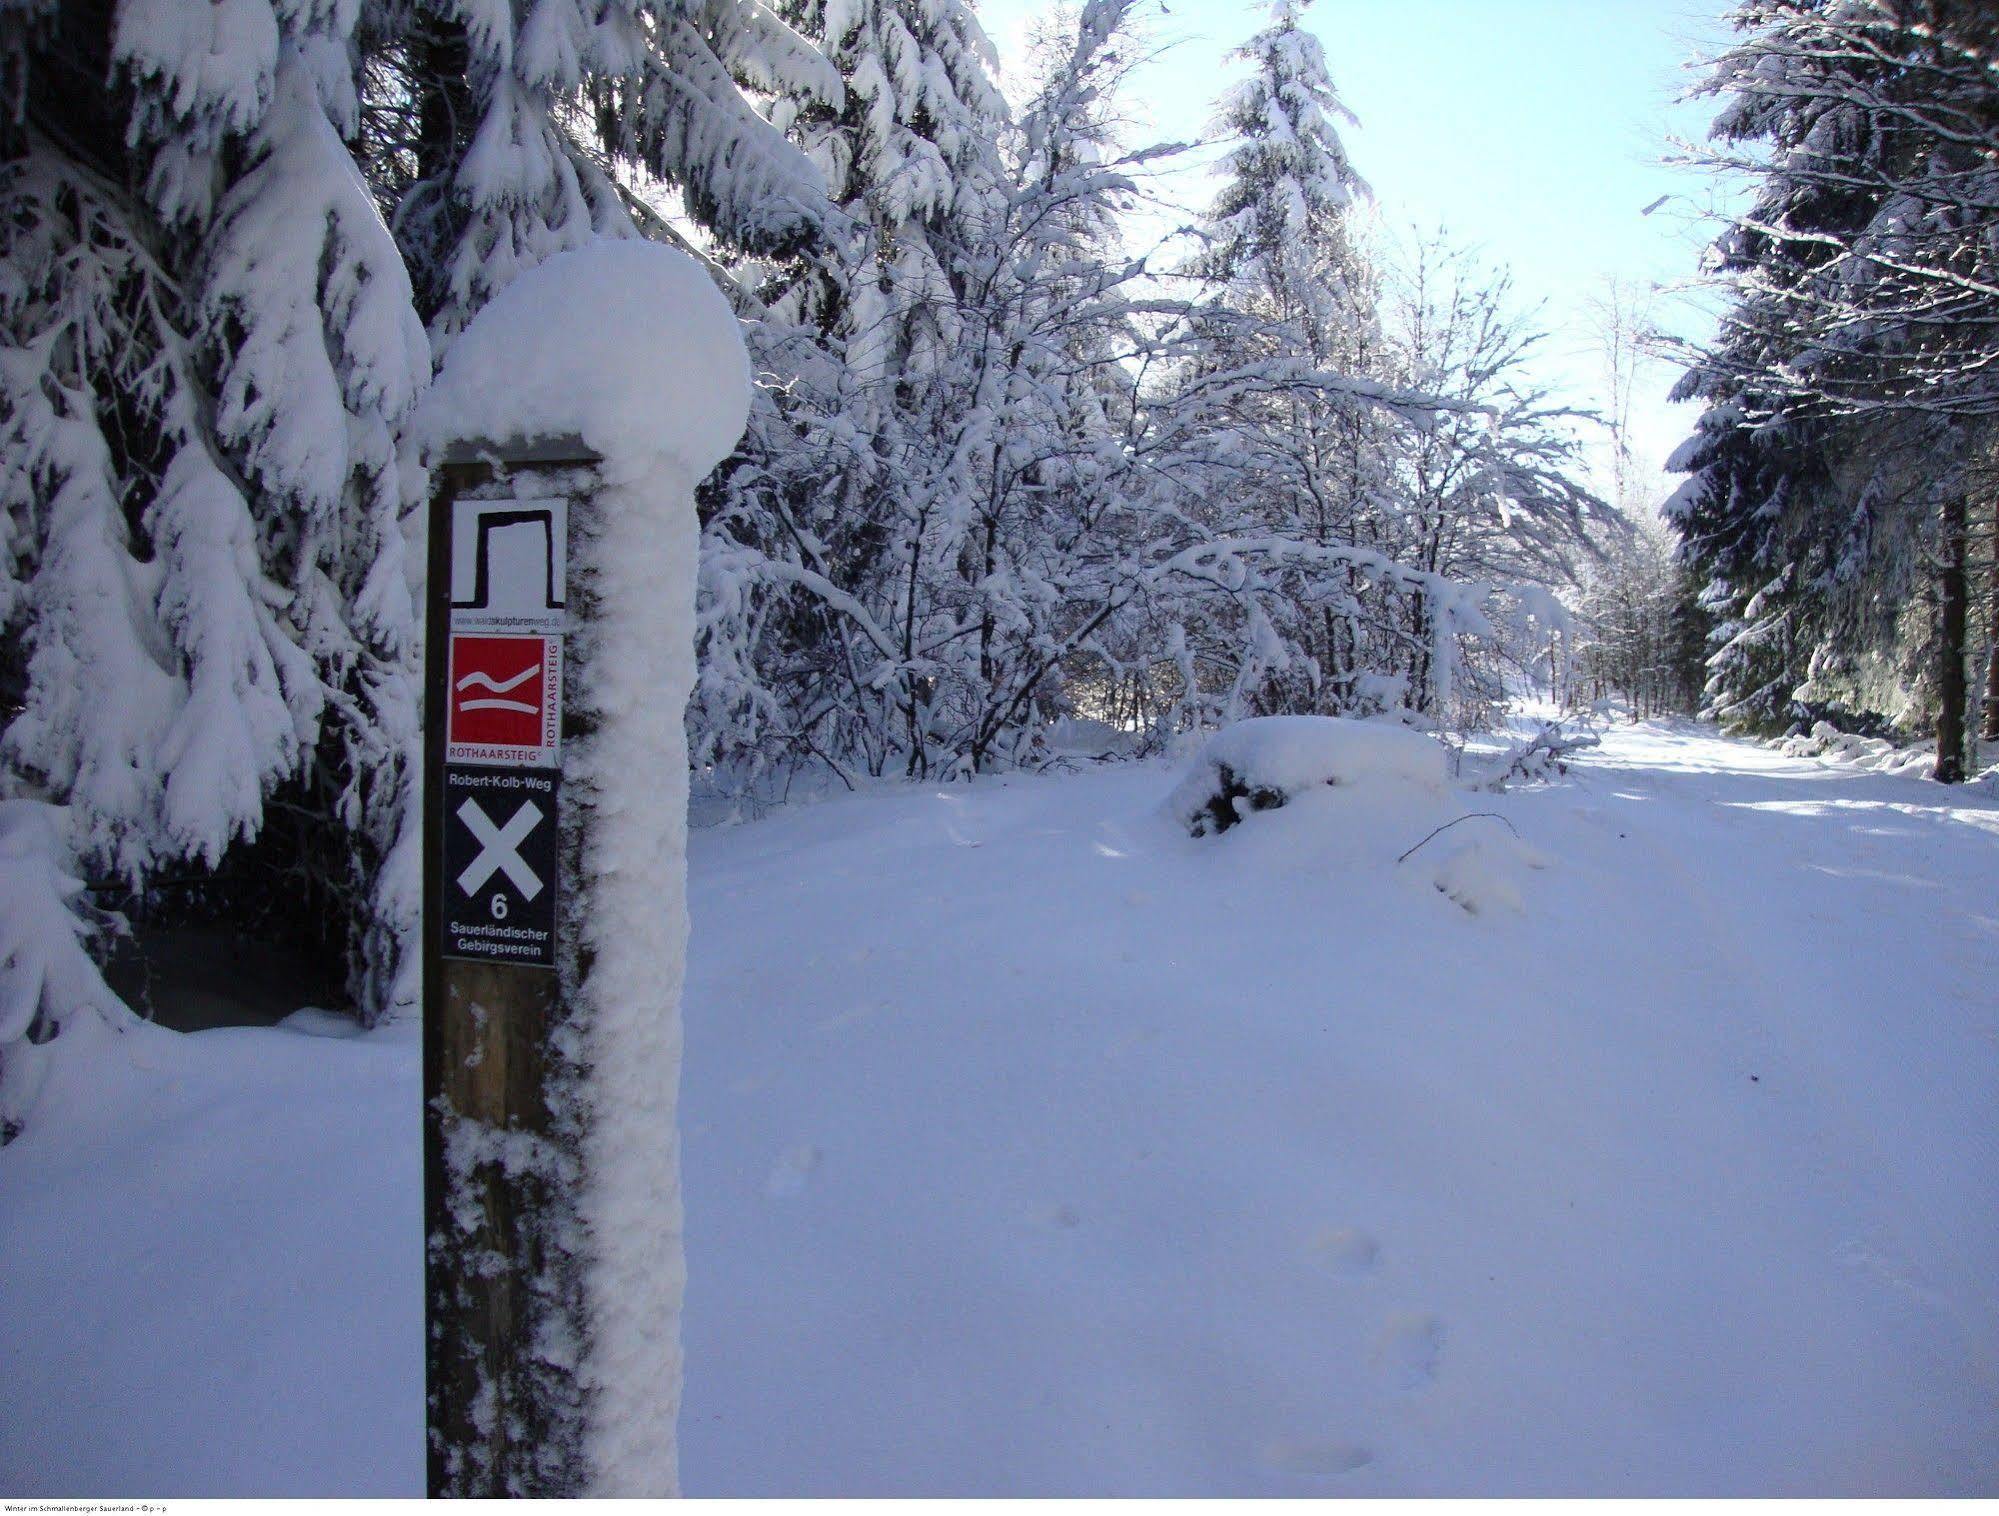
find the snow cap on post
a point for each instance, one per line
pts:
(624, 344)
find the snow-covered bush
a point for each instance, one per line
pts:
(1025, 480)
(1261, 763)
(46, 973)
(1541, 757)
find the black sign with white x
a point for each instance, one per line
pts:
(499, 864)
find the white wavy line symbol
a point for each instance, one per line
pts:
(479, 677)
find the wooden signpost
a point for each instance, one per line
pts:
(561, 654)
(502, 1293)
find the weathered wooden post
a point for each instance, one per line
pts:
(497, 1275)
(566, 433)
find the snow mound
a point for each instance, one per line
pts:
(1264, 762)
(1369, 800)
(625, 344)
(1876, 754)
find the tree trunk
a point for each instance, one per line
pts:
(1989, 727)
(445, 119)
(1953, 593)
(1419, 658)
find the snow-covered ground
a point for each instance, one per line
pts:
(1034, 1146)
(211, 1267)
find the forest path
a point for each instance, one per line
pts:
(1033, 1148)
(1855, 921)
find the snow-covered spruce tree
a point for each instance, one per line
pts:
(1276, 235)
(501, 134)
(1287, 276)
(822, 533)
(1868, 129)
(1758, 519)
(1288, 291)
(1812, 543)
(307, 319)
(209, 342)
(909, 156)
(1043, 544)
(1748, 485)
(1861, 280)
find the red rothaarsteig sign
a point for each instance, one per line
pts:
(504, 699)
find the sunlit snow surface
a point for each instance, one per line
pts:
(1036, 1147)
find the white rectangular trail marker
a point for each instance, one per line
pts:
(509, 565)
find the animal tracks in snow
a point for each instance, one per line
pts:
(1315, 1455)
(1405, 1360)
(1346, 1250)
(1410, 1350)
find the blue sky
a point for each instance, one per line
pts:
(1531, 129)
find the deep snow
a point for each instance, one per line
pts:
(1033, 1146)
